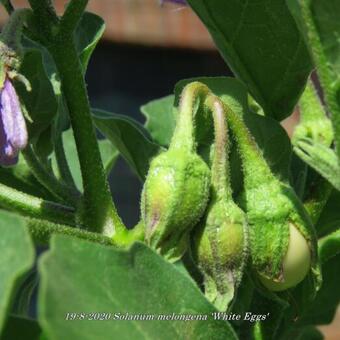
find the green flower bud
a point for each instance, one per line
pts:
(176, 190)
(220, 242)
(279, 224)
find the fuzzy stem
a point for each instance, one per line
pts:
(27, 205)
(220, 170)
(11, 32)
(42, 231)
(192, 97)
(55, 187)
(255, 167)
(324, 72)
(45, 17)
(99, 211)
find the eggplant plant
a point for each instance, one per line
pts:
(239, 232)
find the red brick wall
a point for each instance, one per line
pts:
(145, 22)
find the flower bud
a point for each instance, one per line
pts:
(221, 251)
(176, 190)
(282, 236)
(174, 198)
(13, 131)
(220, 242)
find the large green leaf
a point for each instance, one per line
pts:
(17, 256)
(18, 328)
(80, 277)
(262, 45)
(129, 137)
(160, 119)
(88, 33)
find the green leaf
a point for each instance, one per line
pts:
(21, 178)
(321, 158)
(261, 43)
(329, 220)
(40, 103)
(160, 119)
(311, 333)
(108, 153)
(323, 308)
(20, 328)
(129, 137)
(329, 246)
(118, 282)
(268, 133)
(89, 31)
(17, 256)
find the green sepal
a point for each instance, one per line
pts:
(174, 198)
(221, 251)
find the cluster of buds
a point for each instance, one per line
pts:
(182, 194)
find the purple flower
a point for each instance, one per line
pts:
(13, 131)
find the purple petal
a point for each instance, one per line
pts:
(13, 132)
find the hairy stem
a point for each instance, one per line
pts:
(322, 64)
(192, 97)
(220, 171)
(255, 167)
(42, 231)
(99, 212)
(27, 205)
(45, 17)
(48, 180)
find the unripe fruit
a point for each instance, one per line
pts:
(296, 263)
(279, 225)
